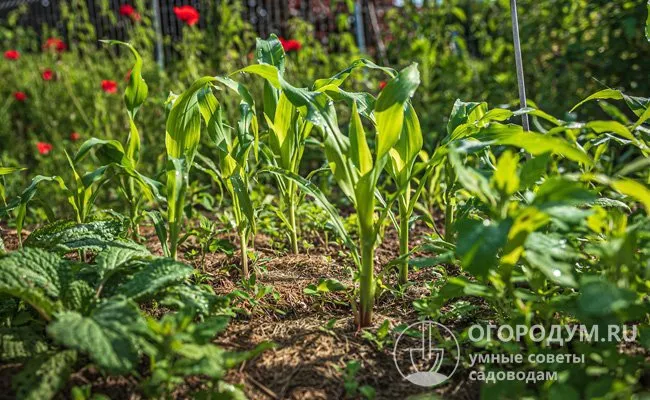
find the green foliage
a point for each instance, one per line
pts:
(107, 334)
(45, 375)
(90, 313)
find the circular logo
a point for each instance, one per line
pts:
(426, 353)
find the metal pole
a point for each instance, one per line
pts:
(519, 64)
(358, 19)
(160, 52)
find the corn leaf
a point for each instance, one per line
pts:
(389, 109)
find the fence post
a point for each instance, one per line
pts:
(358, 19)
(518, 63)
(160, 52)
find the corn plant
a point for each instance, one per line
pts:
(232, 148)
(124, 159)
(182, 140)
(355, 168)
(288, 131)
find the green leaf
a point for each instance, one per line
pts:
(65, 236)
(533, 170)
(44, 376)
(556, 271)
(241, 191)
(136, 90)
(184, 123)
(271, 52)
(534, 143)
(407, 148)
(106, 335)
(359, 150)
(330, 285)
(389, 109)
(558, 191)
(634, 189)
(176, 188)
(10, 170)
(600, 298)
(117, 255)
(108, 151)
(612, 126)
(464, 112)
(339, 78)
(472, 180)
(505, 177)
(20, 343)
(479, 243)
(154, 277)
(35, 276)
(603, 94)
(161, 230)
(134, 96)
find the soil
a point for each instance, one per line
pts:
(309, 359)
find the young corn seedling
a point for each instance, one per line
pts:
(112, 153)
(355, 168)
(232, 147)
(288, 131)
(183, 134)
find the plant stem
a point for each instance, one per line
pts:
(366, 282)
(243, 243)
(404, 235)
(173, 239)
(292, 222)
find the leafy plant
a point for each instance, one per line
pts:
(89, 311)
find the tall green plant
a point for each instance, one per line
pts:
(354, 166)
(233, 144)
(288, 131)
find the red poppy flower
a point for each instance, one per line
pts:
(54, 44)
(44, 148)
(47, 74)
(382, 85)
(109, 87)
(290, 45)
(20, 96)
(12, 55)
(127, 10)
(74, 136)
(187, 14)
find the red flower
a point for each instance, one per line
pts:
(290, 45)
(127, 10)
(20, 96)
(54, 44)
(47, 74)
(136, 16)
(74, 136)
(382, 85)
(187, 14)
(12, 55)
(44, 148)
(109, 86)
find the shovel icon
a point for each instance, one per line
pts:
(426, 354)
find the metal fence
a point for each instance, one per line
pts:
(266, 16)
